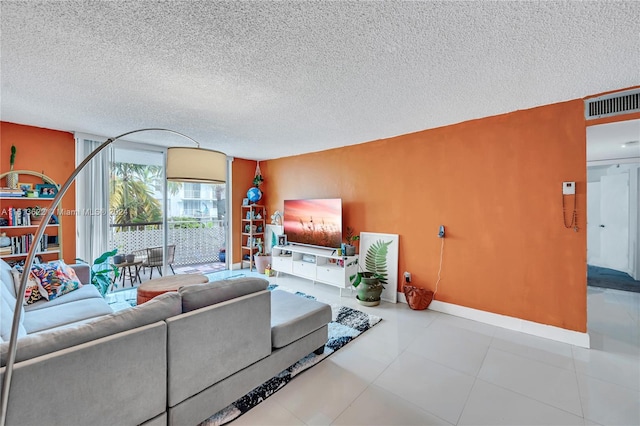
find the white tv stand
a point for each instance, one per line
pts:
(314, 263)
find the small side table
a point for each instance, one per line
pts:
(127, 273)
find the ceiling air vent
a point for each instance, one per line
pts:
(612, 104)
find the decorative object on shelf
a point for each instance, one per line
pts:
(182, 164)
(4, 240)
(37, 213)
(276, 218)
(350, 248)
(46, 190)
(417, 298)
(25, 187)
(282, 240)
(12, 178)
(245, 201)
(254, 194)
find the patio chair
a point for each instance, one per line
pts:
(154, 259)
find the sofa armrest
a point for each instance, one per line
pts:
(83, 271)
(228, 336)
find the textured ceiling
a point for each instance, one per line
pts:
(270, 79)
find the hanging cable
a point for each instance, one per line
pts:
(440, 268)
(573, 223)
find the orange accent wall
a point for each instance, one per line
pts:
(51, 152)
(495, 183)
(241, 180)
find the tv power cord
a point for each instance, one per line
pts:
(440, 268)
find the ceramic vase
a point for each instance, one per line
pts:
(12, 179)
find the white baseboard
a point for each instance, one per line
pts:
(541, 330)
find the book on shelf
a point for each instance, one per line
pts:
(22, 243)
(11, 192)
(19, 216)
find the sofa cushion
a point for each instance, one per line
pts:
(200, 295)
(34, 291)
(7, 277)
(66, 313)
(83, 272)
(56, 278)
(7, 306)
(84, 292)
(160, 308)
(293, 317)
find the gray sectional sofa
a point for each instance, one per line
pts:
(174, 360)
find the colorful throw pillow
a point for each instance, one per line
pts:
(56, 278)
(34, 290)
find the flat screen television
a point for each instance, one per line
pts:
(314, 222)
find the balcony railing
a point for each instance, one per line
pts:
(196, 240)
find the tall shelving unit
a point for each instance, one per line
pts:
(253, 227)
(13, 230)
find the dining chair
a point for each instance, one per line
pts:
(154, 259)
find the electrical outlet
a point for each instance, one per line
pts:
(441, 232)
(407, 277)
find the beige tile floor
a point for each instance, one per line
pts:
(424, 367)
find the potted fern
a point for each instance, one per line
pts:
(370, 282)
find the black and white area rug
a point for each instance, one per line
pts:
(346, 325)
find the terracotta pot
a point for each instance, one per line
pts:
(417, 298)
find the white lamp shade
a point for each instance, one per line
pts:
(196, 165)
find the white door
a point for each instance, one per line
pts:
(593, 223)
(614, 221)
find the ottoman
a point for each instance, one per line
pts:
(293, 317)
(152, 288)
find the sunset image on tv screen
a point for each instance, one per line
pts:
(315, 222)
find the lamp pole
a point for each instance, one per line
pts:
(11, 355)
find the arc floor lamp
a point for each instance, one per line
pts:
(185, 164)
